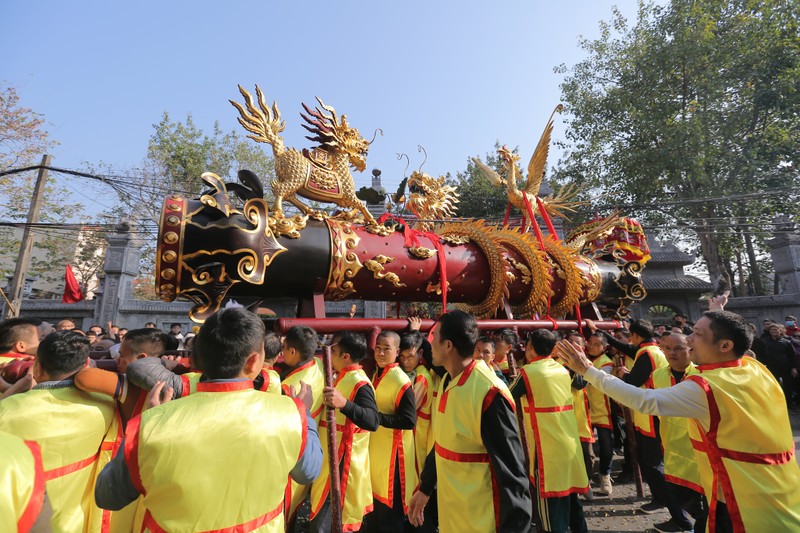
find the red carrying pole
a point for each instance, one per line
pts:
(333, 456)
(366, 325)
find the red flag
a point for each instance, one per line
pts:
(72, 290)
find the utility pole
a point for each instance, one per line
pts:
(26, 246)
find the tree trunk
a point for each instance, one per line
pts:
(755, 271)
(740, 269)
(709, 248)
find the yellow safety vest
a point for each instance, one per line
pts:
(423, 433)
(190, 381)
(580, 402)
(436, 380)
(645, 424)
(21, 483)
(468, 495)
(310, 372)
(200, 462)
(503, 365)
(78, 432)
(353, 449)
(388, 445)
(12, 356)
(272, 381)
(746, 458)
(557, 467)
(599, 404)
(680, 466)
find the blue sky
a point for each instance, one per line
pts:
(452, 76)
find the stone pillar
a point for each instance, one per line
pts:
(121, 267)
(785, 251)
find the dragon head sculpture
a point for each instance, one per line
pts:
(431, 198)
(335, 134)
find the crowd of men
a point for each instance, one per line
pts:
(453, 430)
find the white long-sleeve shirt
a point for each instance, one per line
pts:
(686, 399)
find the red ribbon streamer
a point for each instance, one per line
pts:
(412, 237)
(546, 218)
(539, 237)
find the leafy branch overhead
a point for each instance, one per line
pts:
(695, 100)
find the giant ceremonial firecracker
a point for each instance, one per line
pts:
(230, 243)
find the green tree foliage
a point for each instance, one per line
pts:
(178, 153)
(23, 139)
(23, 142)
(696, 100)
(478, 198)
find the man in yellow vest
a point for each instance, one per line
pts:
(505, 341)
(477, 461)
(580, 402)
(391, 448)
(643, 357)
(680, 467)
(74, 429)
(739, 426)
(600, 411)
(422, 382)
(300, 366)
(145, 372)
(557, 469)
(19, 338)
(217, 459)
(356, 416)
(140, 348)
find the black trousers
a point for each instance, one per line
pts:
(692, 502)
(651, 463)
(385, 519)
(605, 441)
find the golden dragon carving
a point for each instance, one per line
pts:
(321, 174)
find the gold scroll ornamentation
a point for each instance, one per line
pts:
(422, 252)
(376, 266)
(345, 264)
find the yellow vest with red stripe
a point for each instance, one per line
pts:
(75, 430)
(353, 454)
(645, 424)
(467, 493)
(201, 465)
(503, 365)
(680, 466)
(580, 403)
(190, 381)
(423, 433)
(388, 445)
(599, 404)
(746, 458)
(272, 381)
(13, 356)
(436, 380)
(310, 372)
(557, 468)
(21, 483)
